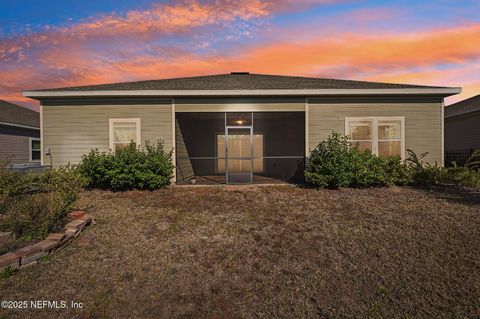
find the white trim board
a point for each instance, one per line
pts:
(269, 92)
(42, 145)
(174, 142)
(20, 125)
(307, 128)
(443, 133)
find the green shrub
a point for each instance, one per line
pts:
(424, 173)
(473, 161)
(367, 169)
(397, 172)
(427, 175)
(328, 164)
(149, 168)
(336, 163)
(461, 176)
(35, 204)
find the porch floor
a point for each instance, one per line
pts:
(219, 180)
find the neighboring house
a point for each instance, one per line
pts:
(462, 129)
(19, 134)
(241, 127)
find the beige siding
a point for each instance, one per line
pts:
(240, 105)
(423, 123)
(73, 130)
(14, 148)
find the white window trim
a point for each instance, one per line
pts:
(375, 120)
(30, 149)
(123, 120)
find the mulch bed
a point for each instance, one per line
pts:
(258, 251)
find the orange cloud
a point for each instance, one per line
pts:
(465, 75)
(160, 19)
(170, 18)
(356, 52)
(396, 50)
(393, 57)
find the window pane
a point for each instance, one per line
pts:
(125, 132)
(35, 145)
(120, 146)
(363, 145)
(387, 149)
(258, 145)
(221, 146)
(389, 130)
(221, 165)
(239, 166)
(258, 165)
(239, 143)
(360, 130)
(35, 155)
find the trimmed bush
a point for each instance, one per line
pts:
(336, 163)
(34, 204)
(148, 168)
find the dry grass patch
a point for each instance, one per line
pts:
(283, 251)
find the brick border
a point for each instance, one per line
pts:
(29, 255)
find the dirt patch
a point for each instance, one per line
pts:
(277, 251)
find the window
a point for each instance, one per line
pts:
(383, 136)
(124, 131)
(35, 150)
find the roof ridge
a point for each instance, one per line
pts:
(240, 81)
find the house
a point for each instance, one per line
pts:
(19, 134)
(462, 130)
(241, 127)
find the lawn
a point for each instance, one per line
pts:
(265, 251)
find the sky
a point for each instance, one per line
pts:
(57, 43)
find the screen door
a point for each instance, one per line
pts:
(239, 149)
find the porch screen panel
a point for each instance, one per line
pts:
(283, 143)
(199, 139)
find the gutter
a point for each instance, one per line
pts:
(271, 92)
(20, 125)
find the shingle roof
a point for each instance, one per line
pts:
(463, 107)
(15, 114)
(239, 81)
